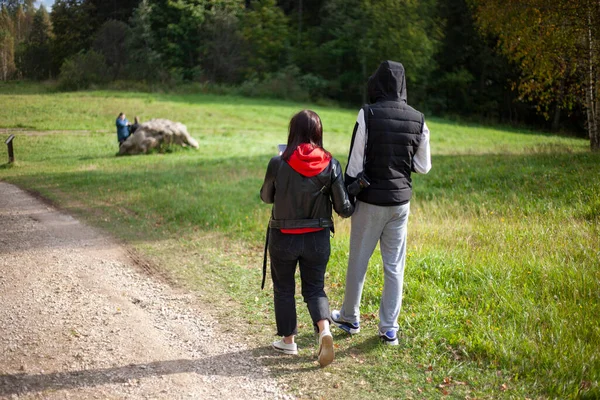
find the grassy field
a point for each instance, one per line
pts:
(502, 287)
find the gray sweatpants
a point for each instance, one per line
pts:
(388, 226)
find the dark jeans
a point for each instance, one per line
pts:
(311, 251)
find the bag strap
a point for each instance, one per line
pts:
(325, 189)
(366, 112)
(264, 276)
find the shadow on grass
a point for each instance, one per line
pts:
(104, 157)
(359, 345)
(281, 364)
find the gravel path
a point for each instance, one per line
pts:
(78, 321)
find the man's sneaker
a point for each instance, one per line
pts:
(325, 348)
(285, 348)
(389, 337)
(350, 327)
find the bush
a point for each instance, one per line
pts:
(82, 71)
(284, 84)
(315, 85)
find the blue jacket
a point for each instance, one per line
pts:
(122, 129)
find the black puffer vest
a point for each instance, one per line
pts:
(394, 134)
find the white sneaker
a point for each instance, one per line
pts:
(285, 348)
(325, 348)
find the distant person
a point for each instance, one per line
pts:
(122, 128)
(136, 124)
(390, 141)
(302, 184)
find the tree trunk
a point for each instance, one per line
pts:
(595, 140)
(299, 21)
(559, 103)
(556, 119)
(364, 72)
(4, 64)
(591, 101)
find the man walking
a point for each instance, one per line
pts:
(390, 141)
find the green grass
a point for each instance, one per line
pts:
(502, 285)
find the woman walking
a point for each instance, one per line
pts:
(302, 184)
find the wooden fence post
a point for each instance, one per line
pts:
(11, 154)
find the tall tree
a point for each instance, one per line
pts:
(22, 23)
(73, 29)
(338, 49)
(12, 5)
(111, 42)
(180, 29)
(356, 35)
(222, 58)
(177, 25)
(7, 44)
(303, 15)
(7, 55)
(22, 26)
(37, 61)
(567, 70)
(265, 30)
(41, 30)
(405, 31)
(472, 77)
(105, 10)
(144, 61)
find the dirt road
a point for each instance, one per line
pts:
(79, 321)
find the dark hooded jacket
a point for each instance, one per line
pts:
(122, 129)
(303, 189)
(394, 131)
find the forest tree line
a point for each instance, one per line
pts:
(527, 61)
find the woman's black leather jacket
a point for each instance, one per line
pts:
(304, 202)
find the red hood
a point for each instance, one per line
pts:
(309, 160)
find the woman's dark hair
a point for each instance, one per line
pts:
(305, 127)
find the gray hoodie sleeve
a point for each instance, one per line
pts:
(355, 161)
(422, 157)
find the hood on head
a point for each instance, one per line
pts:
(387, 83)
